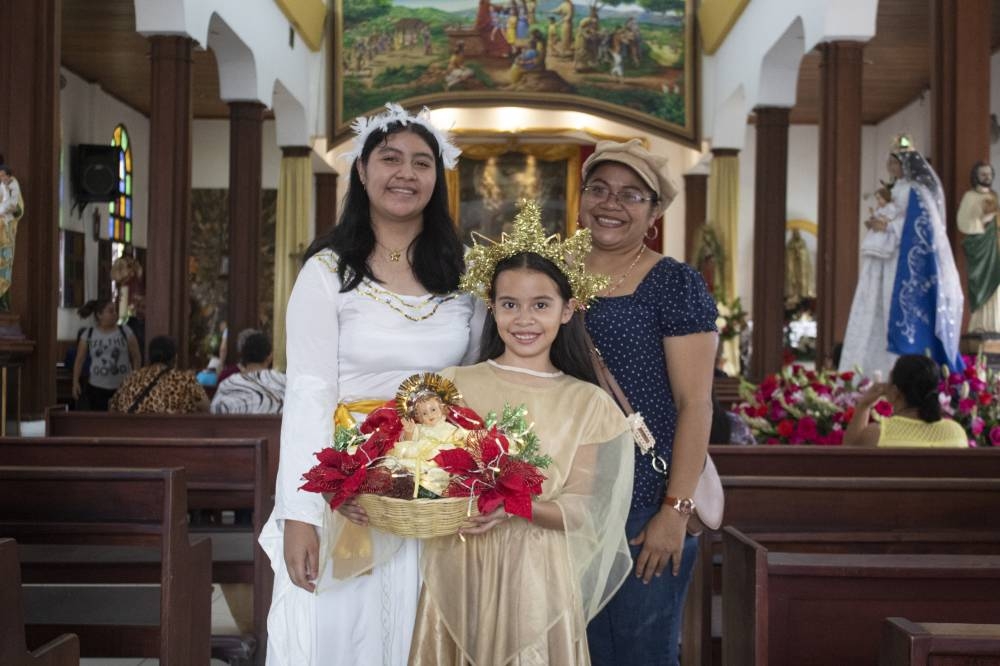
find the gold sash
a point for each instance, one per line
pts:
(352, 547)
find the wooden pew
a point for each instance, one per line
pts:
(906, 643)
(221, 473)
(129, 514)
(826, 609)
(63, 651)
(783, 504)
(836, 504)
(727, 391)
(59, 422)
(775, 460)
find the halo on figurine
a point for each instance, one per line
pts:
(902, 143)
(418, 386)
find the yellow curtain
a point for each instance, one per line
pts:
(291, 237)
(723, 216)
(548, 152)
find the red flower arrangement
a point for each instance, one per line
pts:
(498, 462)
(971, 398)
(802, 406)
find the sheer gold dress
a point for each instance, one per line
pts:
(522, 594)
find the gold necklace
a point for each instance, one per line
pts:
(628, 271)
(392, 255)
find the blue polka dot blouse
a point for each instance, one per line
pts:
(671, 300)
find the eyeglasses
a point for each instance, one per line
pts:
(624, 197)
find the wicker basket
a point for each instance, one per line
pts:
(420, 518)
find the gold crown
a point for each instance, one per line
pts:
(529, 236)
(420, 385)
(902, 143)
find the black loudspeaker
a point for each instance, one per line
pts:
(95, 173)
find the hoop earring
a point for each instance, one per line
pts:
(656, 233)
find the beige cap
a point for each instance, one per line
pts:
(651, 168)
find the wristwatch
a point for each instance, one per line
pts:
(682, 505)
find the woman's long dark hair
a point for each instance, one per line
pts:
(437, 258)
(93, 307)
(917, 378)
(569, 351)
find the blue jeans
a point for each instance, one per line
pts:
(642, 623)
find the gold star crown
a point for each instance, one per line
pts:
(529, 236)
(902, 143)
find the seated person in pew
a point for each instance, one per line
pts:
(160, 388)
(916, 411)
(255, 388)
(727, 427)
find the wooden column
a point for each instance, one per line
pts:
(167, 289)
(245, 149)
(960, 107)
(695, 210)
(770, 203)
(839, 190)
(30, 33)
(326, 202)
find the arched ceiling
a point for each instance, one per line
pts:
(897, 63)
(100, 44)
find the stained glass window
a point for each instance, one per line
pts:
(120, 210)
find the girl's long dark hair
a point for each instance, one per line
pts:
(437, 258)
(917, 378)
(569, 351)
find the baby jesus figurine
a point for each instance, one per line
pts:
(426, 433)
(880, 239)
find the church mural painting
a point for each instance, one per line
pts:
(632, 60)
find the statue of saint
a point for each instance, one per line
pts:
(800, 278)
(11, 210)
(977, 219)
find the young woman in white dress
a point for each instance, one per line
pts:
(376, 301)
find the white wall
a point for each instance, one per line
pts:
(733, 77)
(210, 155)
(90, 115)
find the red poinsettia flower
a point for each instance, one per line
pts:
(486, 470)
(456, 461)
(339, 474)
(514, 484)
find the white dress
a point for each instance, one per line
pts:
(866, 342)
(343, 347)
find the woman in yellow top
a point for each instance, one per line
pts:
(916, 420)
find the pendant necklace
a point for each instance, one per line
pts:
(525, 371)
(393, 255)
(628, 271)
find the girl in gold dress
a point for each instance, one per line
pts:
(508, 590)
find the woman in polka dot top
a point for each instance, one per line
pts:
(655, 328)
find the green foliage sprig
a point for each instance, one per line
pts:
(524, 444)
